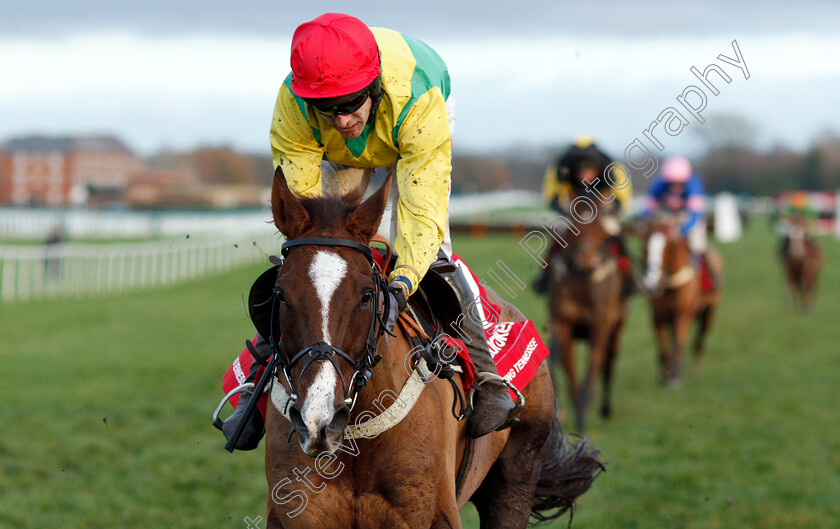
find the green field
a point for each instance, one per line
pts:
(106, 404)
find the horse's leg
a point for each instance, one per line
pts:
(564, 334)
(800, 286)
(809, 288)
(790, 291)
(504, 499)
(447, 517)
(663, 344)
(555, 361)
(808, 297)
(599, 340)
(704, 320)
(506, 494)
(682, 326)
(607, 373)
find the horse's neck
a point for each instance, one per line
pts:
(677, 257)
(797, 241)
(667, 259)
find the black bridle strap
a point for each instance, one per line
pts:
(323, 351)
(323, 241)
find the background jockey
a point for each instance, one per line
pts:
(579, 171)
(798, 212)
(679, 191)
(359, 99)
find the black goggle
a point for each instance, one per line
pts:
(341, 109)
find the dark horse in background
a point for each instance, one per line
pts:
(802, 260)
(328, 306)
(586, 301)
(678, 295)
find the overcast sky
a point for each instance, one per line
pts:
(524, 74)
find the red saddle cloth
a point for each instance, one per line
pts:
(516, 347)
(707, 283)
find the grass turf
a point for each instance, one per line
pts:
(106, 406)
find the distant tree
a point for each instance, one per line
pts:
(829, 163)
(809, 177)
(216, 165)
(475, 173)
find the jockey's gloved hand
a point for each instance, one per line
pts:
(398, 300)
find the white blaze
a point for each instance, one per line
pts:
(326, 272)
(655, 251)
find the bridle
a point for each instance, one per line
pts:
(323, 351)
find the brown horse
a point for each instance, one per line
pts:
(802, 260)
(340, 375)
(586, 302)
(676, 296)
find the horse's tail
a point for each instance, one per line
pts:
(568, 471)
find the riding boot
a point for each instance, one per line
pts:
(540, 284)
(492, 406)
(255, 427)
(631, 283)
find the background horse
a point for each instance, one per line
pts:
(586, 302)
(405, 476)
(802, 260)
(676, 295)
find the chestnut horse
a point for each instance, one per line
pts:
(586, 302)
(341, 372)
(802, 259)
(676, 296)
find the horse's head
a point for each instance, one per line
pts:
(589, 248)
(665, 250)
(327, 305)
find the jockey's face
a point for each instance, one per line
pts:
(351, 125)
(676, 187)
(587, 172)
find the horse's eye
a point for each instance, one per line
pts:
(279, 295)
(367, 297)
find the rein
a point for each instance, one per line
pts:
(323, 351)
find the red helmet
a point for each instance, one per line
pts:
(676, 170)
(333, 56)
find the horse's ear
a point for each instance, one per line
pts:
(290, 217)
(364, 221)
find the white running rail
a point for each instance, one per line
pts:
(76, 270)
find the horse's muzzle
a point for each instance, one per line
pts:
(324, 437)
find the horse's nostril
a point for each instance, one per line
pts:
(297, 422)
(338, 422)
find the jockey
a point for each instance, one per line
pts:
(799, 212)
(797, 219)
(358, 99)
(580, 172)
(678, 190)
